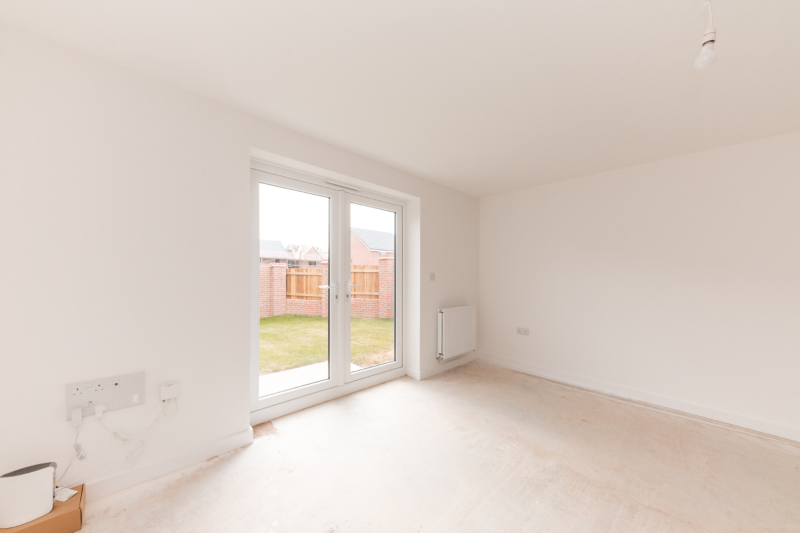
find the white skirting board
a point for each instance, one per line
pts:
(109, 485)
(701, 413)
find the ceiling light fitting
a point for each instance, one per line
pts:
(707, 55)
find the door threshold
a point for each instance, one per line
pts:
(298, 404)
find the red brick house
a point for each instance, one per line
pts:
(306, 256)
(368, 246)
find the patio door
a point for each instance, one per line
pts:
(372, 237)
(329, 266)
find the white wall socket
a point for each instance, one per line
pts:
(523, 331)
(117, 392)
(169, 390)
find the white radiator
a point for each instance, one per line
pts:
(456, 331)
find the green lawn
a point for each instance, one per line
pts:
(291, 341)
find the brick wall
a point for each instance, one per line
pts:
(386, 277)
(364, 307)
(304, 307)
(272, 289)
(273, 300)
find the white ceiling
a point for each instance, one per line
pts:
(484, 96)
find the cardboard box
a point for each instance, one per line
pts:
(66, 517)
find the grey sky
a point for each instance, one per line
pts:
(294, 217)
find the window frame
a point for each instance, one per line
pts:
(341, 381)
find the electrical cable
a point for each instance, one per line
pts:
(77, 432)
(127, 457)
(116, 434)
(65, 471)
(139, 443)
(161, 415)
(81, 478)
(177, 408)
(710, 13)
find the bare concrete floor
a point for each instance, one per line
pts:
(477, 449)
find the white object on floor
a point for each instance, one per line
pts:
(26, 494)
(65, 494)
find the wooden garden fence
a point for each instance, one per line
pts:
(366, 277)
(304, 283)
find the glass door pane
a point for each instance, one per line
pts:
(372, 286)
(294, 332)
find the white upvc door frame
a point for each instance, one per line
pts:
(355, 198)
(335, 356)
(339, 308)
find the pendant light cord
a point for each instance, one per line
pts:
(710, 13)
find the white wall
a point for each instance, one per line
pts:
(124, 234)
(675, 282)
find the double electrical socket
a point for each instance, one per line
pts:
(117, 392)
(523, 331)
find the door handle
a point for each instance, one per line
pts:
(335, 287)
(350, 285)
